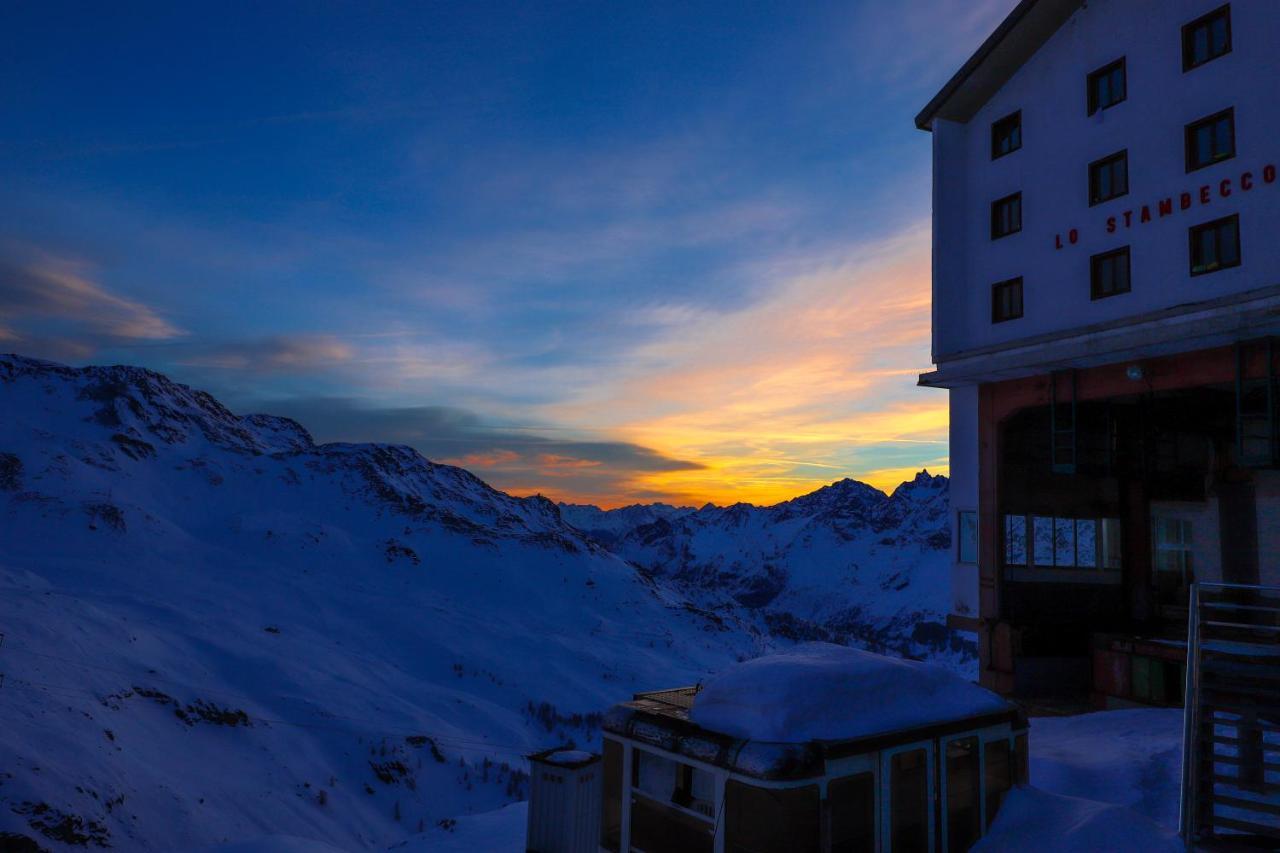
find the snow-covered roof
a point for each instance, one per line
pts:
(825, 692)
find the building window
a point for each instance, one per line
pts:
(853, 813)
(967, 536)
(1109, 178)
(1211, 140)
(964, 818)
(1207, 38)
(909, 807)
(1006, 135)
(1109, 273)
(1006, 300)
(1006, 216)
(1215, 245)
(1061, 543)
(998, 773)
(768, 820)
(1108, 86)
(1171, 557)
(672, 807)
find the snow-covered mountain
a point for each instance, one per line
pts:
(216, 629)
(847, 562)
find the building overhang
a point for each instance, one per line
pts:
(1183, 328)
(1019, 36)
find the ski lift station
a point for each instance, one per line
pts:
(819, 748)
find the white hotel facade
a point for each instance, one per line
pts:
(1106, 285)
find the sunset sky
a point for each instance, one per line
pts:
(607, 252)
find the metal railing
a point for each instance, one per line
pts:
(1231, 737)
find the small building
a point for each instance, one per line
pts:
(564, 802)
(819, 749)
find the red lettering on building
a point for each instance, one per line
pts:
(1269, 174)
(1166, 207)
(1205, 194)
(1146, 214)
(1111, 225)
(1128, 219)
(1246, 181)
(1073, 236)
(1185, 201)
(1224, 188)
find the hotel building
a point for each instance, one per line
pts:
(1106, 301)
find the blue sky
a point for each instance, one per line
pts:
(606, 252)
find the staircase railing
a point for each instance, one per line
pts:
(1231, 738)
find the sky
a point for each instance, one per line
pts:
(605, 252)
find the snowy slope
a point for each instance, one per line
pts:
(216, 630)
(846, 563)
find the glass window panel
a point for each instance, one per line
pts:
(1042, 530)
(1087, 543)
(998, 775)
(1229, 242)
(611, 807)
(761, 820)
(654, 775)
(964, 818)
(1112, 548)
(657, 828)
(1064, 542)
(909, 811)
(967, 524)
(853, 813)
(1015, 540)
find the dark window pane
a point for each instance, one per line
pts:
(611, 808)
(657, 828)
(1006, 216)
(1211, 140)
(762, 820)
(1206, 38)
(967, 527)
(999, 776)
(1110, 273)
(1006, 300)
(853, 813)
(909, 802)
(1006, 135)
(1107, 86)
(1215, 245)
(964, 819)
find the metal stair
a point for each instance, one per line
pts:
(1231, 745)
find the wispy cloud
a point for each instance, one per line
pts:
(52, 304)
(275, 354)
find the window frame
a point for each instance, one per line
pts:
(961, 514)
(1189, 132)
(1094, 104)
(1104, 527)
(996, 289)
(998, 205)
(1095, 292)
(1095, 198)
(1195, 230)
(1015, 119)
(1205, 21)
